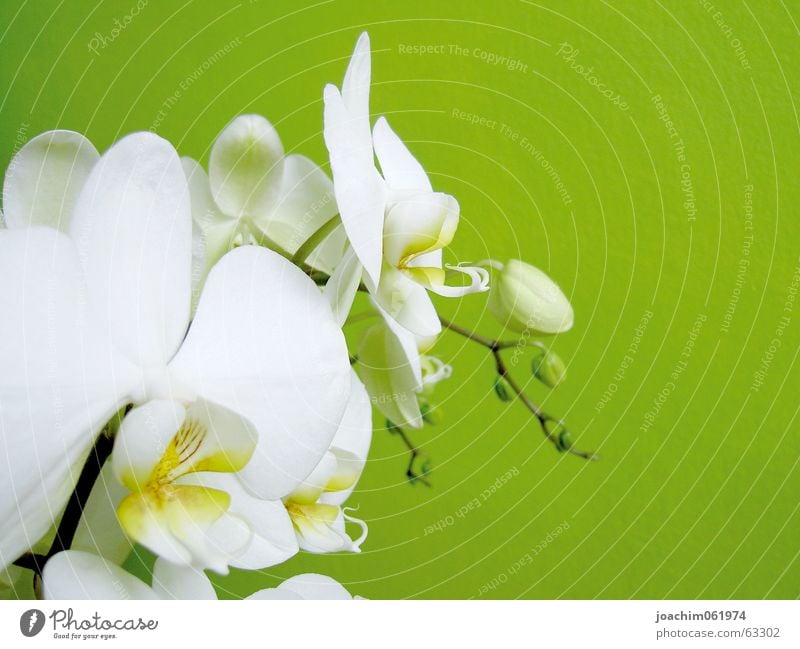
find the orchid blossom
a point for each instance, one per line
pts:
(395, 372)
(312, 516)
(395, 223)
(98, 320)
(77, 575)
(254, 193)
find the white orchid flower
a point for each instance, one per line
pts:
(394, 372)
(78, 575)
(316, 506)
(254, 193)
(99, 319)
(44, 179)
(395, 223)
(309, 586)
(312, 517)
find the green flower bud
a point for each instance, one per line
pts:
(549, 368)
(562, 436)
(525, 300)
(430, 414)
(502, 390)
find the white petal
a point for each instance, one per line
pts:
(273, 538)
(407, 302)
(44, 179)
(432, 259)
(418, 224)
(400, 168)
(479, 282)
(264, 344)
(180, 582)
(133, 228)
(142, 439)
(206, 436)
(274, 594)
(391, 380)
(309, 491)
(99, 531)
(79, 575)
(60, 383)
(246, 166)
(342, 286)
(305, 202)
(321, 529)
(351, 443)
(314, 586)
(357, 78)
(359, 189)
(206, 216)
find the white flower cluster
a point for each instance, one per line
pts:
(196, 318)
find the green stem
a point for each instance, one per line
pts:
(315, 239)
(495, 346)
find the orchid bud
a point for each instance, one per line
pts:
(501, 388)
(549, 368)
(525, 300)
(431, 415)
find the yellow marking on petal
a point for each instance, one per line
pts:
(341, 481)
(426, 275)
(304, 516)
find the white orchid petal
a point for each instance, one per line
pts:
(99, 531)
(246, 166)
(314, 586)
(419, 224)
(309, 491)
(61, 382)
(342, 286)
(274, 594)
(351, 443)
(171, 581)
(264, 344)
(304, 203)
(206, 216)
(143, 438)
(357, 543)
(407, 302)
(390, 379)
(178, 525)
(273, 538)
(359, 188)
(400, 168)
(132, 226)
(479, 282)
(432, 259)
(320, 528)
(44, 179)
(357, 78)
(79, 575)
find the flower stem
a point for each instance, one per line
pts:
(315, 239)
(495, 347)
(411, 474)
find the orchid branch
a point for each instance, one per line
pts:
(310, 244)
(415, 454)
(548, 423)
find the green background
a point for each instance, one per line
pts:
(696, 495)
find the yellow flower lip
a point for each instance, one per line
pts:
(163, 513)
